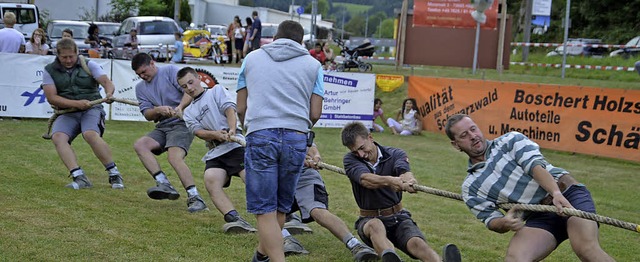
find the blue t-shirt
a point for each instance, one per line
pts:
(177, 56)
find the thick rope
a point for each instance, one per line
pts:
(523, 207)
(57, 112)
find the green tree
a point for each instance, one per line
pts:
(385, 29)
(323, 8)
(374, 22)
(154, 8)
(355, 25)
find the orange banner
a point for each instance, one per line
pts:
(451, 13)
(595, 121)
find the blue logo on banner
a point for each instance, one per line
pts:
(38, 93)
(340, 81)
(346, 117)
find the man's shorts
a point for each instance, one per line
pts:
(400, 228)
(232, 162)
(75, 123)
(310, 194)
(579, 197)
(174, 134)
(273, 162)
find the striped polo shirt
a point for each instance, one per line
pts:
(505, 176)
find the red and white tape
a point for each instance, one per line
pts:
(591, 67)
(569, 44)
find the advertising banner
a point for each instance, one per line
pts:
(348, 97)
(588, 120)
(20, 85)
(451, 13)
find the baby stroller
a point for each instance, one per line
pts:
(352, 56)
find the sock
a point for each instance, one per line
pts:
(231, 216)
(112, 169)
(76, 172)
(192, 190)
(161, 177)
(285, 233)
(388, 251)
(352, 242)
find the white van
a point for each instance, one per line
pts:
(27, 17)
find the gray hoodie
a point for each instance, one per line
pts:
(280, 78)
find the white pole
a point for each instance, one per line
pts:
(475, 50)
(566, 37)
(292, 10)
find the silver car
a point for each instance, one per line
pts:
(80, 33)
(155, 36)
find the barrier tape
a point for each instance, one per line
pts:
(591, 67)
(569, 44)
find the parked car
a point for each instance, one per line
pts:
(80, 32)
(217, 30)
(27, 17)
(631, 49)
(268, 32)
(155, 34)
(575, 50)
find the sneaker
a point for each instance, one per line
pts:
(238, 226)
(163, 191)
(295, 226)
(362, 252)
(451, 253)
(255, 258)
(391, 257)
(80, 182)
(116, 181)
(293, 247)
(196, 204)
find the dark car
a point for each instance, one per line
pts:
(630, 49)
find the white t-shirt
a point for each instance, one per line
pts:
(29, 47)
(11, 40)
(237, 34)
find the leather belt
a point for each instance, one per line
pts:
(381, 212)
(564, 182)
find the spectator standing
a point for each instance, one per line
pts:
(179, 49)
(68, 33)
(66, 84)
(278, 107)
(162, 100)
(132, 39)
(329, 63)
(247, 43)
(37, 45)
(11, 40)
(239, 35)
(256, 31)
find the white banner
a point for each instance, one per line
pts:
(20, 79)
(348, 97)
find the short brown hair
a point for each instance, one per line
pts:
(290, 29)
(351, 131)
(66, 44)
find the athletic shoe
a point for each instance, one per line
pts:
(238, 226)
(362, 252)
(255, 258)
(196, 204)
(293, 247)
(391, 257)
(163, 191)
(451, 253)
(80, 182)
(295, 226)
(116, 181)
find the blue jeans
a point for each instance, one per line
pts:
(273, 161)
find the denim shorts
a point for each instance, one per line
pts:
(75, 123)
(579, 197)
(273, 161)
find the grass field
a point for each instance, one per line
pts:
(43, 221)
(353, 9)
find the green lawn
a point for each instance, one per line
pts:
(43, 221)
